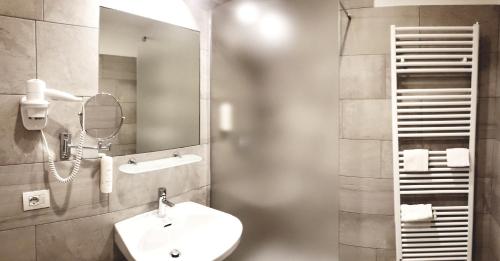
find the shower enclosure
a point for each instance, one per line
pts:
(275, 126)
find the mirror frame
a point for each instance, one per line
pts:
(199, 85)
(117, 130)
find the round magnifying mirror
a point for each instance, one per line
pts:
(102, 116)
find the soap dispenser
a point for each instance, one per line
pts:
(106, 173)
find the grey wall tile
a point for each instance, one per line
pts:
(129, 111)
(204, 74)
(354, 253)
(482, 226)
(357, 3)
(18, 244)
(198, 195)
(126, 90)
(483, 195)
(63, 117)
(88, 238)
(127, 134)
(84, 191)
(107, 86)
(488, 63)
(369, 30)
(67, 57)
(497, 121)
(487, 127)
(495, 239)
(495, 199)
(14, 180)
(487, 16)
(366, 119)
(497, 90)
(133, 190)
(123, 149)
(204, 121)
(19, 145)
(362, 77)
(117, 77)
(483, 254)
(486, 157)
(386, 164)
(495, 195)
(375, 231)
(95, 240)
(91, 238)
(17, 53)
(386, 254)
(360, 158)
(31, 9)
(76, 12)
(118, 67)
(366, 195)
(80, 198)
(388, 87)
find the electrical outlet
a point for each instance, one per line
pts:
(36, 199)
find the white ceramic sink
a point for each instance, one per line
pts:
(199, 233)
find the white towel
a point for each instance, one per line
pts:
(416, 160)
(457, 157)
(416, 213)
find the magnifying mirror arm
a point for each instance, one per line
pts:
(100, 146)
(66, 146)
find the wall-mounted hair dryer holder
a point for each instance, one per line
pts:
(35, 106)
(34, 113)
(66, 146)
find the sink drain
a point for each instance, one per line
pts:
(175, 253)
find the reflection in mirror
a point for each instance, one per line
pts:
(103, 116)
(153, 69)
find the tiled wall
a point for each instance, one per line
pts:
(118, 77)
(494, 203)
(366, 196)
(495, 217)
(57, 41)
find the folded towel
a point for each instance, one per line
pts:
(416, 213)
(416, 160)
(457, 157)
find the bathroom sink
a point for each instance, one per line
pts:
(189, 231)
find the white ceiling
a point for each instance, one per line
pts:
(169, 11)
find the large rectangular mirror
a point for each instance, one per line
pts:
(152, 68)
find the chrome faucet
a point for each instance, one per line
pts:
(132, 161)
(163, 202)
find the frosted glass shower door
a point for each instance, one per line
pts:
(275, 72)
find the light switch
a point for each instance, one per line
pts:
(36, 199)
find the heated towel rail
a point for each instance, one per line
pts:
(434, 73)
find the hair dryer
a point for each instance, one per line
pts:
(34, 106)
(34, 112)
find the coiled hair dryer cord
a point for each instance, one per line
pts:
(76, 162)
